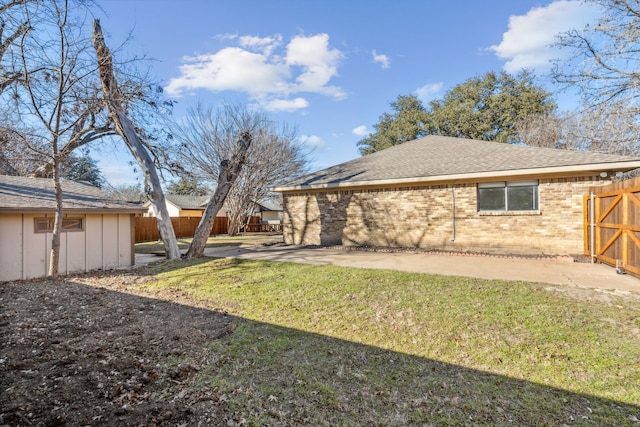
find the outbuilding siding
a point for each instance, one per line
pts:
(422, 217)
(106, 242)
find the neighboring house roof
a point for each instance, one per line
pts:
(27, 194)
(188, 202)
(270, 205)
(182, 202)
(440, 158)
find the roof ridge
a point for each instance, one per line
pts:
(435, 157)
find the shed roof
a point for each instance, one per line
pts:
(27, 194)
(441, 159)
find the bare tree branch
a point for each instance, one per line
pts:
(611, 128)
(126, 129)
(605, 57)
(229, 171)
(206, 138)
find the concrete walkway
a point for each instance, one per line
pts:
(532, 270)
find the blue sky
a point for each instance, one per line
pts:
(330, 67)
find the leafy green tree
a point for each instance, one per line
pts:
(405, 123)
(485, 108)
(488, 107)
(187, 187)
(83, 168)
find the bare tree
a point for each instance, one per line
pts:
(46, 94)
(213, 146)
(127, 130)
(22, 153)
(274, 158)
(56, 103)
(130, 193)
(229, 171)
(604, 59)
(26, 49)
(605, 128)
(207, 137)
(12, 27)
(542, 130)
(14, 158)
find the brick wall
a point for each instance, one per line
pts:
(421, 217)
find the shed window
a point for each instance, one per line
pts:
(508, 196)
(45, 225)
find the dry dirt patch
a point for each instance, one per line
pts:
(88, 350)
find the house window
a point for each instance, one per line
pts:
(508, 196)
(45, 225)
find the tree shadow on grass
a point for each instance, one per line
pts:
(289, 377)
(108, 352)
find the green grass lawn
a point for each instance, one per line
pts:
(324, 345)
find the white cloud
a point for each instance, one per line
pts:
(312, 141)
(265, 70)
(361, 131)
(231, 68)
(526, 44)
(384, 60)
(429, 91)
(284, 104)
(264, 44)
(319, 64)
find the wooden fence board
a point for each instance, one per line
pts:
(617, 222)
(183, 226)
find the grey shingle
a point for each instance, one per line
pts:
(439, 156)
(37, 194)
(188, 202)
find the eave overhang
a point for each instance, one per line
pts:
(555, 171)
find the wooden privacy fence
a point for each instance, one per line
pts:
(612, 230)
(147, 227)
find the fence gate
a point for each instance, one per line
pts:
(612, 224)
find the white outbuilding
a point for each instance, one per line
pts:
(98, 231)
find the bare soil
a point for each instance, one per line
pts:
(93, 350)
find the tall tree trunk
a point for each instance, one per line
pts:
(126, 129)
(54, 254)
(229, 171)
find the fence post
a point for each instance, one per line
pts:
(592, 219)
(625, 234)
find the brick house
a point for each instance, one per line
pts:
(98, 231)
(182, 205)
(451, 194)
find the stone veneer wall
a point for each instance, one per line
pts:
(421, 217)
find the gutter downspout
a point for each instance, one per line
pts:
(592, 220)
(453, 213)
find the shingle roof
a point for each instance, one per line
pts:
(20, 193)
(188, 202)
(270, 205)
(439, 158)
